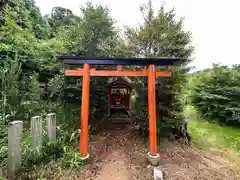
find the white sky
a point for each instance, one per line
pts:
(214, 24)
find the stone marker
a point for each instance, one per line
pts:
(36, 129)
(15, 130)
(51, 126)
(157, 174)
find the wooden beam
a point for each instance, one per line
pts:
(78, 60)
(152, 111)
(79, 72)
(84, 112)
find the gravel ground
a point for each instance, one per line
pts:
(121, 155)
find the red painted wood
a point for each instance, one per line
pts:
(79, 72)
(152, 110)
(84, 112)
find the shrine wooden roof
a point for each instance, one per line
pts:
(120, 81)
(79, 60)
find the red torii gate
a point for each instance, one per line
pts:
(86, 72)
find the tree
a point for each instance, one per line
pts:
(95, 35)
(215, 94)
(61, 17)
(99, 31)
(161, 35)
(26, 15)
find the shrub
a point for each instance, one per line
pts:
(216, 94)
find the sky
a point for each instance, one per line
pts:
(214, 24)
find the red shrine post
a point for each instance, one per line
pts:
(84, 111)
(86, 72)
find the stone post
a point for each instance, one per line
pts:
(157, 174)
(36, 130)
(51, 126)
(15, 130)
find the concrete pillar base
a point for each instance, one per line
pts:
(85, 158)
(154, 160)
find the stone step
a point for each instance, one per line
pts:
(118, 118)
(119, 115)
(118, 121)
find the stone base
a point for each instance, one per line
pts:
(154, 160)
(85, 158)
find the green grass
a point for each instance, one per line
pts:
(213, 136)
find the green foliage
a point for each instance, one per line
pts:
(64, 152)
(9, 75)
(94, 36)
(207, 135)
(34, 55)
(65, 149)
(215, 94)
(3, 143)
(20, 96)
(26, 15)
(161, 35)
(60, 17)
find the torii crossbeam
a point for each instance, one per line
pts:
(86, 72)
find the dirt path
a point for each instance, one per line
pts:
(121, 155)
(114, 167)
(111, 158)
(115, 156)
(187, 163)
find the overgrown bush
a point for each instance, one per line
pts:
(64, 153)
(20, 99)
(216, 94)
